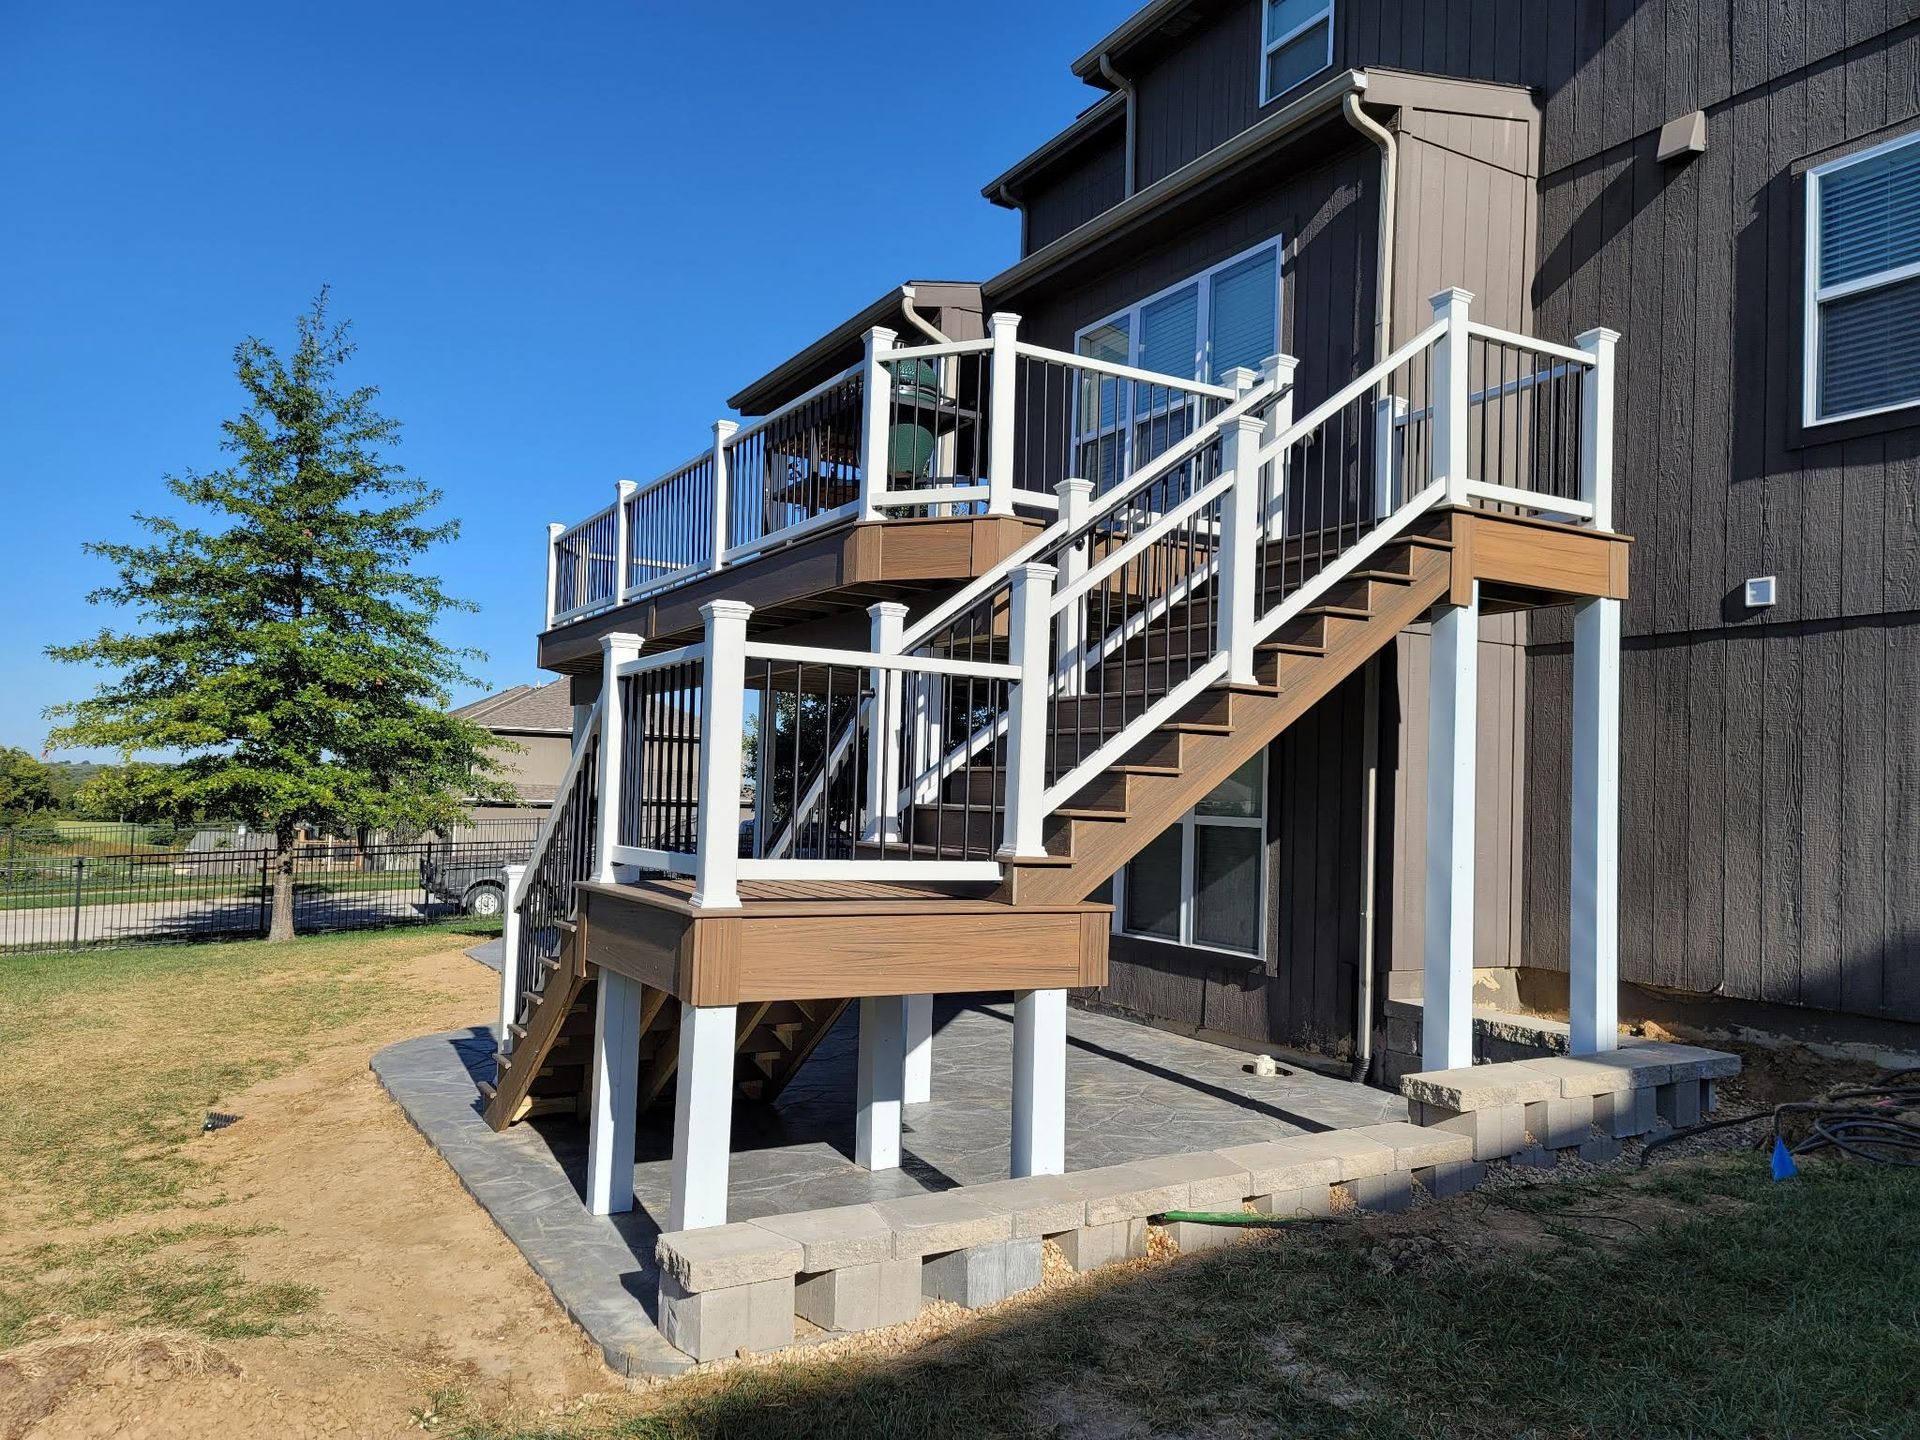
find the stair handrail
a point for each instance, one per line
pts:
(1053, 534)
(1147, 475)
(544, 836)
(1216, 667)
(512, 930)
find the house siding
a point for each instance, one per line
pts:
(1074, 193)
(1768, 770)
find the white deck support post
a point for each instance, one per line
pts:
(1278, 370)
(1240, 534)
(1003, 397)
(615, 651)
(876, 424)
(554, 532)
(722, 714)
(918, 1088)
(880, 1073)
(614, 1096)
(1039, 1083)
(1029, 613)
(723, 431)
(510, 877)
(885, 738)
(1594, 917)
(702, 1116)
(1450, 392)
(1446, 1039)
(622, 539)
(1076, 499)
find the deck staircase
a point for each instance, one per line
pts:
(1038, 729)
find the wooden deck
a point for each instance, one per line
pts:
(831, 939)
(816, 591)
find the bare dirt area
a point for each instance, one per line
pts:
(323, 1184)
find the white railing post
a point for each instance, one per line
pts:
(1240, 545)
(1450, 391)
(884, 738)
(876, 413)
(1003, 396)
(722, 714)
(554, 532)
(723, 431)
(1076, 499)
(1278, 370)
(1028, 614)
(622, 538)
(1596, 407)
(1389, 415)
(615, 651)
(510, 877)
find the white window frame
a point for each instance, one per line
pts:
(1817, 296)
(1126, 417)
(1271, 43)
(1186, 824)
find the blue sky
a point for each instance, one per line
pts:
(564, 234)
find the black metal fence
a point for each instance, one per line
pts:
(67, 896)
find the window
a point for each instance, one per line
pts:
(1297, 44)
(1224, 317)
(1863, 284)
(1202, 880)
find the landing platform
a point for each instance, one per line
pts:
(1132, 1093)
(828, 940)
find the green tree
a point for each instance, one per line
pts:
(26, 786)
(139, 791)
(285, 651)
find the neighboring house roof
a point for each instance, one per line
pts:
(524, 710)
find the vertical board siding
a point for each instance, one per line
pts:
(1781, 867)
(1074, 194)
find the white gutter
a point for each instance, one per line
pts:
(1125, 87)
(1370, 723)
(1383, 250)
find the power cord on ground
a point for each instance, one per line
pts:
(1877, 1123)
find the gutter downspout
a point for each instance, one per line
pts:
(917, 320)
(1125, 87)
(1370, 722)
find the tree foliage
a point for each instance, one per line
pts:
(27, 787)
(284, 646)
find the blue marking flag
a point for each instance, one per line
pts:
(1783, 1166)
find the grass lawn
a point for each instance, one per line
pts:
(115, 1058)
(1698, 1300)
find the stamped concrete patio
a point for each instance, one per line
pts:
(1132, 1093)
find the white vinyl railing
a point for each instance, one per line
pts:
(971, 427)
(943, 750)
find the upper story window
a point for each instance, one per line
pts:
(1224, 318)
(1863, 284)
(1296, 44)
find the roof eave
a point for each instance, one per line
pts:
(1131, 31)
(1097, 117)
(1313, 106)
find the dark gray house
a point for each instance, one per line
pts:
(1735, 187)
(1427, 516)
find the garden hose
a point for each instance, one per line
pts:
(1236, 1217)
